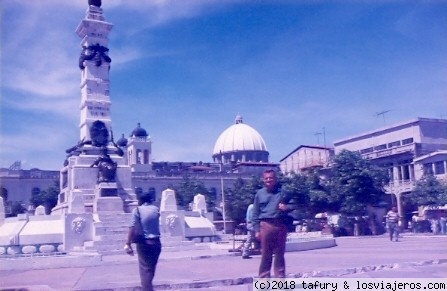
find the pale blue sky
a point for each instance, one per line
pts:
(184, 69)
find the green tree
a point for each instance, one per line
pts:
(240, 196)
(16, 208)
(428, 191)
(47, 198)
(211, 198)
(297, 186)
(356, 183)
(188, 188)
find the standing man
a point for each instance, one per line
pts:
(270, 216)
(149, 249)
(392, 220)
(250, 233)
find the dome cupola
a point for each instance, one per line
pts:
(122, 142)
(240, 143)
(139, 132)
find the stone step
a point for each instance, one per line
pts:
(113, 224)
(105, 247)
(111, 231)
(115, 217)
(112, 237)
(120, 242)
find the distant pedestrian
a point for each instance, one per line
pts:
(392, 220)
(251, 239)
(434, 225)
(443, 222)
(270, 216)
(149, 248)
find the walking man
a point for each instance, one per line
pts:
(392, 220)
(270, 215)
(149, 249)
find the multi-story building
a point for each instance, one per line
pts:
(305, 157)
(434, 163)
(20, 185)
(406, 149)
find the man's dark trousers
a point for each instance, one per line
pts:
(148, 254)
(273, 235)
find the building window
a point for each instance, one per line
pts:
(439, 168)
(380, 147)
(146, 157)
(366, 151)
(407, 141)
(394, 144)
(139, 157)
(428, 169)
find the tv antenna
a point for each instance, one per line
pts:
(317, 134)
(383, 114)
(323, 133)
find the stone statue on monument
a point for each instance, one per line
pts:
(106, 167)
(96, 3)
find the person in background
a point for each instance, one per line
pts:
(149, 249)
(270, 216)
(392, 220)
(250, 233)
(443, 222)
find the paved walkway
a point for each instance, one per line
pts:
(413, 256)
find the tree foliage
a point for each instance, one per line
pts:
(188, 188)
(16, 208)
(428, 191)
(238, 197)
(47, 198)
(297, 187)
(356, 183)
(320, 198)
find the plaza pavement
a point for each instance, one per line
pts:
(423, 256)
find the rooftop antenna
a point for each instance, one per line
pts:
(383, 114)
(317, 134)
(16, 166)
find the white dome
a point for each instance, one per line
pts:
(239, 137)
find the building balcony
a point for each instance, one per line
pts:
(380, 154)
(400, 186)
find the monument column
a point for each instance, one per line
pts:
(95, 174)
(94, 63)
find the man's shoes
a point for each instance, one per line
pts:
(246, 257)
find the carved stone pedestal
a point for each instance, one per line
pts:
(106, 198)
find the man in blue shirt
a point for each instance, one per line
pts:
(149, 249)
(250, 232)
(270, 215)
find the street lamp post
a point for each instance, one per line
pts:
(223, 200)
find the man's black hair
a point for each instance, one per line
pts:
(145, 197)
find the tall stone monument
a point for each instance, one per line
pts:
(95, 176)
(96, 195)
